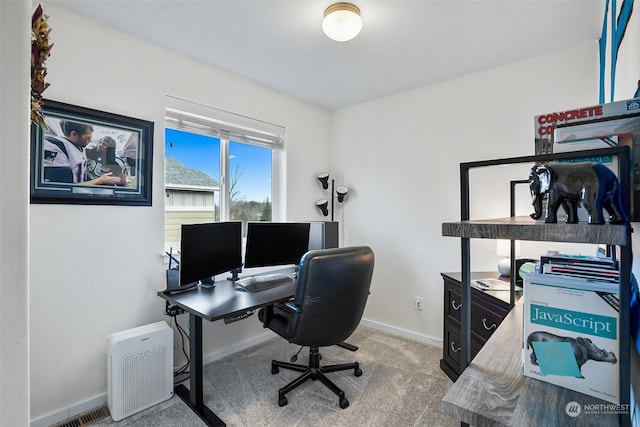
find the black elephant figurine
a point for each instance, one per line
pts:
(592, 184)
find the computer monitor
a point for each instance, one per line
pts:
(275, 243)
(209, 249)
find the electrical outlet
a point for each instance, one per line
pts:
(418, 304)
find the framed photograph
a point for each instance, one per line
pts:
(87, 156)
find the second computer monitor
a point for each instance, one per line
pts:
(275, 243)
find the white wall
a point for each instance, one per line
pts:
(95, 270)
(15, 18)
(401, 156)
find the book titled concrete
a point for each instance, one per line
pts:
(597, 126)
(571, 335)
(545, 124)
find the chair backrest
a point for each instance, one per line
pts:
(332, 290)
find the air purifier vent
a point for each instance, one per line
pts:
(139, 369)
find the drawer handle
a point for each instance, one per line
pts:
(453, 305)
(453, 347)
(484, 323)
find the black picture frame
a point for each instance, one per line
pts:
(115, 146)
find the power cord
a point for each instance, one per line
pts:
(184, 369)
(295, 356)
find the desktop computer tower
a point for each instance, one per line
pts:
(323, 235)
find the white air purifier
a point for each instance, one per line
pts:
(139, 369)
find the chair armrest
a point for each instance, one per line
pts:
(268, 312)
(290, 307)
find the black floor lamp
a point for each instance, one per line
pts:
(340, 193)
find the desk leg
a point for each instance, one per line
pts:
(194, 396)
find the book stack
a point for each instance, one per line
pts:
(571, 333)
(588, 267)
(596, 126)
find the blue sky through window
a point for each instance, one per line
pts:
(254, 164)
(203, 153)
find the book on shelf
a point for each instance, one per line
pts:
(588, 267)
(597, 126)
(591, 137)
(571, 334)
(586, 260)
(587, 273)
(545, 125)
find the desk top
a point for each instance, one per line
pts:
(225, 299)
(493, 390)
(477, 275)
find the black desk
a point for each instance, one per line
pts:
(223, 300)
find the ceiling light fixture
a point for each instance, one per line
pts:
(342, 21)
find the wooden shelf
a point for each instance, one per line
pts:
(525, 228)
(493, 391)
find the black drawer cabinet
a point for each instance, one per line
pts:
(488, 309)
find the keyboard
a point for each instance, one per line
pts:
(262, 282)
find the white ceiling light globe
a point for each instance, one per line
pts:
(342, 21)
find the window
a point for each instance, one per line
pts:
(219, 166)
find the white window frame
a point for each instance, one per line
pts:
(188, 116)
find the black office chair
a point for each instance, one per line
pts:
(331, 293)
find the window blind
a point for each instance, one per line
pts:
(197, 118)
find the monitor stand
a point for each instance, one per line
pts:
(207, 283)
(234, 274)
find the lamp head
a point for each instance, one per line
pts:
(342, 191)
(324, 179)
(323, 205)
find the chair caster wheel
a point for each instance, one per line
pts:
(274, 370)
(357, 372)
(344, 403)
(283, 401)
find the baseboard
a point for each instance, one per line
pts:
(401, 332)
(101, 400)
(70, 411)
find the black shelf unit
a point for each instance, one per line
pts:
(524, 228)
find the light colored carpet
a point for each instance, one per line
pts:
(401, 385)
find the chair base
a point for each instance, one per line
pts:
(314, 372)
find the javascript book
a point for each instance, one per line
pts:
(571, 334)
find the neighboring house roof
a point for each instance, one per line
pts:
(176, 173)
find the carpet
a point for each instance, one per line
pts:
(401, 385)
